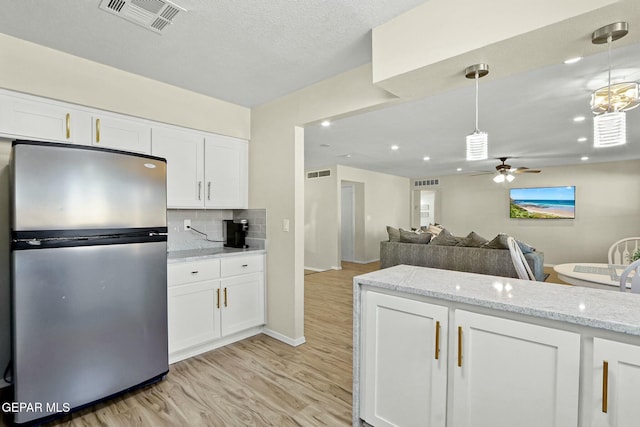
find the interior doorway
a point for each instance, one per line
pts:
(424, 208)
(347, 221)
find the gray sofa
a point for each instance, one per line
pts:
(495, 262)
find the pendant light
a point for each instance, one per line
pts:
(610, 103)
(477, 142)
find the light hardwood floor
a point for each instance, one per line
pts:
(259, 381)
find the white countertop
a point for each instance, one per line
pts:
(200, 254)
(614, 311)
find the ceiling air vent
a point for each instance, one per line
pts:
(319, 174)
(426, 182)
(154, 15)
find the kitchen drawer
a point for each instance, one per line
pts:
(233, 266)
(197, 271)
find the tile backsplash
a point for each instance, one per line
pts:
(210, 222)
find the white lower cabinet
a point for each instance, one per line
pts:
(616, 384)
(210, 305)
(509, 373)
(489, 371)
(404, 364)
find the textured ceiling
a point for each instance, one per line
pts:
(247, 52)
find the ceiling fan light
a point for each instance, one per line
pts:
(498, 178)
(510, 177)
(477, 146)
(623, 97)
(610, 129)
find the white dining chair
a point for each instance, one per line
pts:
(519, 261)
(621, 250)
(635, 280)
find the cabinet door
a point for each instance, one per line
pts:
(615, 398)
(226, 172)
(121, 134)
(403, 375)
(42, 120)
(184, 154)
(194, 314)
(243, 302)
(513, 373)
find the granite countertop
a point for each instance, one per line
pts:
(198, 254)
(604, 309)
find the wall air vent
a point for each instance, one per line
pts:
(426, 182)
(319, 174)
(154, 15)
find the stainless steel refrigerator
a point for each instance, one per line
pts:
(88, 274)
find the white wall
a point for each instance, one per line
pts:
(607, 209)
(382, 200)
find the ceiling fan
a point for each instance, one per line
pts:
(506, 172)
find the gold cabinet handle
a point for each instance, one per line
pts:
(209, 190)
(225, 297)
(199, 190)
(98, 130)
(459, 346)
(605, 385)
(68, 125)
(218, 298)
(437, 340)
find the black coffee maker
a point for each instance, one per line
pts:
(235, 230)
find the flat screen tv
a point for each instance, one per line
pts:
(543, 202)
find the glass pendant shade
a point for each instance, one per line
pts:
(618, 97)
(610, 129)
(510, 177)
(477, 145)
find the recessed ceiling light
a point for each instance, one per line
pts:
(326, 123)
(582, 139)
(425, 158)
(394, 147)
(579, 119)
(572, 60)
(459, 169)
(584, 158)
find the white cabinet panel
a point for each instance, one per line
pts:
(194, 314)
(233, 266)
(226, 172)
(39, 119)
(404, 375)
(196, 271)
(514, 374)
(615, 398)
(243, 306)
(121, 134)
(184, 152)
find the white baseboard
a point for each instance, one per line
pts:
(366, 262)
(333, 267)
(315, 269)
(285, 339)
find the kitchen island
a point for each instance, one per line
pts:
(444, 348)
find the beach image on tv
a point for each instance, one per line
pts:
(543, 202)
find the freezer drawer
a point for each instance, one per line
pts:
(64, 187)
(88, 321)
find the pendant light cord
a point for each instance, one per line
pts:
(477, 76)
(609, 40)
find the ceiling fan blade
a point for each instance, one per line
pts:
(482, 173)
(526, 170)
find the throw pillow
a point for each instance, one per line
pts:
(434, 229)
(394, 234)
(500, 242)
(413, 237)
(473, 240)
(445, 238)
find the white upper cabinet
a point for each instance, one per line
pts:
(225, 172)
(185, 165)
(121, 134)
(26, 117)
